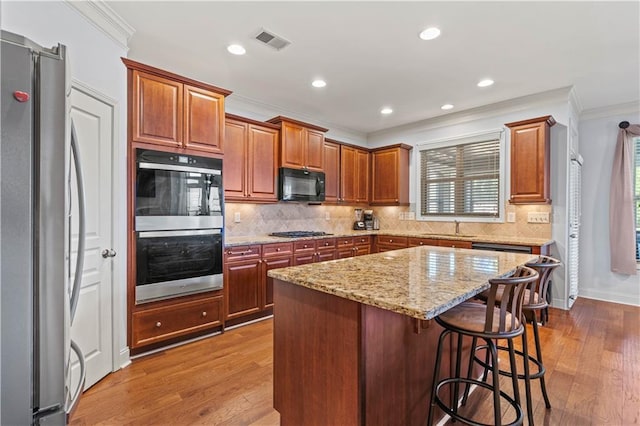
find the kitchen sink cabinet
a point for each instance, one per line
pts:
(301, 144)
(530, 160)
(331, 171)
(174, 111)
(251, 161)
(390, 175)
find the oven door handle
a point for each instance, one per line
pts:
(176, 168)
(159, 234)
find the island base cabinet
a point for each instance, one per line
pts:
(340, 362)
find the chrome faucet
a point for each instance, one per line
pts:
(457, 226)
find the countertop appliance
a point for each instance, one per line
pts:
(300, 185)
(298, 234)
(368, 219)
(179, 224)
(37, 304)
(359, 224)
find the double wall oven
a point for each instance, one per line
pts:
(179, 224)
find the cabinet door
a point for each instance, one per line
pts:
(234, 160)
(203, 120)
(344, 252)
(454, 243)
(326, 255)
(385, 177)
(362, 176)
(242, 286)
(292, 147)
(414, 242)
(331, 172)
(362, 250)
(156, 110)
(303, 259)
(314, 147)
(262, 164)
(268, 264)
(348, 174)
(530, 162)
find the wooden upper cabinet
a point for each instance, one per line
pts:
(301, 144)
(354, 172)
(157, 110)
(174, 111)
(203, 119)
(331, 171)
(530, 160)
(250, 160)
(390, 175)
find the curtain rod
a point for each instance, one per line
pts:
(623, 124)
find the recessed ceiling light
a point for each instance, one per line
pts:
(386, 111)
(430, 33)
(446, 106)
(319, 83)
(236, 49)
(485, 83)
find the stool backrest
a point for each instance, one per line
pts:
(538, 290)
(512, 288)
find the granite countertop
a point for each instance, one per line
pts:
(420, 282)
(498, 239)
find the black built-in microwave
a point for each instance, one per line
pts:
(300, 185)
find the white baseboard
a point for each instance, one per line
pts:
(559, 303)
(605, 296)
(125, 358)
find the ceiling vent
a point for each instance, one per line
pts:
(271, 39)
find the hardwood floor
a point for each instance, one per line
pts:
(592, 356)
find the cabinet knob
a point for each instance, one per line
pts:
(421, 243)
(390, 241)
(305, 246)
(277, 248)
(326, 244)
(396, 200)
(204, 314)
(158, 324)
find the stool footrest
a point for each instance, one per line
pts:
(539, 374)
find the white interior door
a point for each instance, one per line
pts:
(92, 326)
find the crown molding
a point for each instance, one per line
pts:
(103, 17)
(481, 112)
(611, 110)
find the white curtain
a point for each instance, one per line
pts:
(622, 224)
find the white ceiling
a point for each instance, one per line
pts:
(370, 54)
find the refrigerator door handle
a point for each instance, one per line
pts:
(73, 401)
(75, 292)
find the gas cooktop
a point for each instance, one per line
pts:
(298, 234)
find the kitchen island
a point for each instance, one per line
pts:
(354, 340)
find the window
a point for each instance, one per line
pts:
(462, 178)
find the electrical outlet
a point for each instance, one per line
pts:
(511, 217)
(538, 217)
(401, 216)
(410, 215)
(327, 216)
(236, 217)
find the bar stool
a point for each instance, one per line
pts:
(490, 321)
(534, 301)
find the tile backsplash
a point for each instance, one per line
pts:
(261, 219)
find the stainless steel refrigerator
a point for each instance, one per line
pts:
(38, 296)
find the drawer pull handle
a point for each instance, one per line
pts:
(204, 314)
(158, 324)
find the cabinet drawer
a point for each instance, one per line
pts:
(326, 244)
(362, 241)
(454, 243)
(278, 249)
(157, 324)
(394, 241)
(344, 242)
(247, 252)
(413, 242)
(304, 246)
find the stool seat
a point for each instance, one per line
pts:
(471, 317)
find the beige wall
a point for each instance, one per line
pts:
(261, 219)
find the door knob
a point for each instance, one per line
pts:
(108, 253)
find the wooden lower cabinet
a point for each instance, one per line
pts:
(158, 324)
(311, 251)
(279, 255)
(415, 242)
(387, 243)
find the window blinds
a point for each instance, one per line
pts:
(461, 180)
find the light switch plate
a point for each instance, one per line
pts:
(538, 217)
(236, 217)
(327, 216)
(511, 217)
